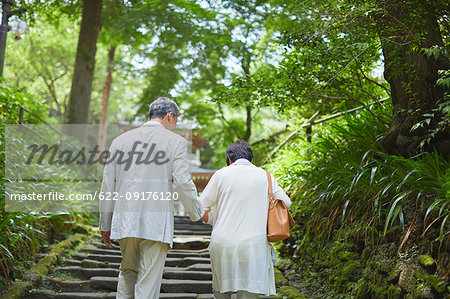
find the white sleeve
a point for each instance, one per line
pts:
(106, 207)
(279, 193)
(183, 184)
(210, 194)
(211, 217)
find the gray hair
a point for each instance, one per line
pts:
(161, 106)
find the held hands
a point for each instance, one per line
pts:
(205, 216)
(106, 239)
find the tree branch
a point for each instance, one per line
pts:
(352, 100)
(222, 116)
(289, 137)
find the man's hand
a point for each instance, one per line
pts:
(205, 216)
(106, 238)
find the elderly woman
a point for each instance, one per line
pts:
(240, 253)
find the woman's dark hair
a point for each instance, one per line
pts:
(239, 150)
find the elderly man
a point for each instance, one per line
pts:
(149, 171)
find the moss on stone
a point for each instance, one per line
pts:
(291, 292)
(389, 292)
(395, 273)
(407, 279)
(35, 274)
(436, 284)
(382, 265)
(18, 291)
(280, 280)
(427, 262)
(344, 274)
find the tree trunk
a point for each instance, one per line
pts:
(246, 60)
(248, 131)
(83, 74)
(405, 28)
(105, 98)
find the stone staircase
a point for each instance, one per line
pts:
(92, 272)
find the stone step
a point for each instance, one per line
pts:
(87, 273)
(198, 251)
(183, 254)
(48, 294)
(200, 271)
(104, 258)
(186, 286)
(206, 232)
(69, 262)
(185, 262)
(187, 242)
(186, 274)
(113, 261)
(96, 250)
(185, 296)
(194, 244)
(87, 263)
(104, 283)
(167, 286)
(199, 267)
(79, 256)
(188, 221)
(170, 262)
(100, 245)
(192, 227)
(70, 285)
(73, 270)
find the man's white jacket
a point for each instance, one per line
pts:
(150, 170)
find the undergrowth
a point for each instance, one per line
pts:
(345, 176)
(24, 234)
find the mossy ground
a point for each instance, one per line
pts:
(35, 276)
(348, 267)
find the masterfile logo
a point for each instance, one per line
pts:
(59, 168)
(140, 153)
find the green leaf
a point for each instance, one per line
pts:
(392, 210)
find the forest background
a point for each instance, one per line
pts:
(265, 72)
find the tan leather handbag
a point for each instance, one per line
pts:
(279, 220)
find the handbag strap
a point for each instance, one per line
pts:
(269, 179)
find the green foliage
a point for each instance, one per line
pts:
(346, 177)
(440, 113)
(182, 41)
(325, 56)
(25, 234)
(42, 63)
(11, 101)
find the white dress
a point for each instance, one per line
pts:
(239, 250)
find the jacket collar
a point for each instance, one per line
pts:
(242, 161)
(152, 123)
